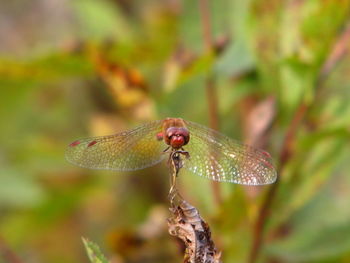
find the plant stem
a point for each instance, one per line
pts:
(335, 55)
(265, 208)
(210, 84)
(206, 23)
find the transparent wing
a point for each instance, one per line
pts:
(126, 151)
(219, 158)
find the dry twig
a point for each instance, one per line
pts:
(186, 223)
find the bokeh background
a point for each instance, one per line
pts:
(274, 74)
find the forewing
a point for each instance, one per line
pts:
(219, 158)
(126, 151)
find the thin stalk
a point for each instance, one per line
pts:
(336, 53)
(270, 196)
(211, 92)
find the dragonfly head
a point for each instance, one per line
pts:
(177, 137)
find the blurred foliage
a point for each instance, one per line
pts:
(84, 68)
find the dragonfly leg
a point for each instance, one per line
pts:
(175, 161)
(166, 149)
(185, 153)
(176, 164)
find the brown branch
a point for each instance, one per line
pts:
(206, 23)
(214, 124)
(265, 208)
(211, 92)
(335, 55)
(339, 50)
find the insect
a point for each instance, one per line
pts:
(201, 150)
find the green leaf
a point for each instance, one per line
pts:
(94, 252)
(100, 19)
(238, 57)
(236, 60)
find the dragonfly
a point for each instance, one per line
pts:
(201, 150)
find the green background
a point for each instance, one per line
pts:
(71, 69)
